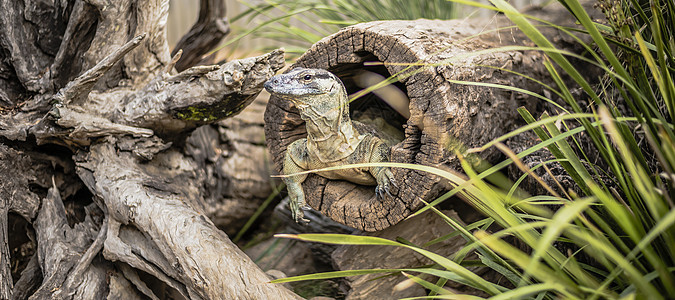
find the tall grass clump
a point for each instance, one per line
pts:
(620, 228)
(299, 24)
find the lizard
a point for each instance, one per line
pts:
(332, 139)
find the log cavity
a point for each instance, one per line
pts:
(370, 106)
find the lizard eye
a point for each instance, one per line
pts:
(307, 77)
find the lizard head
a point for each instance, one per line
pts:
(302, 86)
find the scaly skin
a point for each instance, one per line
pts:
(331, 141)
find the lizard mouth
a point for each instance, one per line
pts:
(279, 88)
(293, 94)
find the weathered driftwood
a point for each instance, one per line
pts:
(119, 212)
(428, 57)
(167, 105)
(26, 177)
(14, 196)
(65, 254)
(153, 227)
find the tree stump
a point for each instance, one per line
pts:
(428, 57)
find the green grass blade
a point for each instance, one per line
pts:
(605, 249)
(339, 239)
(564, 285)
(525, 292)
(335, 274)
(554, 229)
(427, 285)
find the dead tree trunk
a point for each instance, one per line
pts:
(428, 57)
(98, 197)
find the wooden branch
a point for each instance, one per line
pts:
(131, 275)
(143, 234)
(122, 288)
(86, 126)
(169, 105)
(81, 28)
(59, 250)
(125, 243)
(117, 24)
(211, 27)
(199, 95)
(75, 277)
(76, 91)
(430, 58)
(30, 60)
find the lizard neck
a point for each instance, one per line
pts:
(330, 132)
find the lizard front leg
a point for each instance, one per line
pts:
(383, 176)
(295, 162)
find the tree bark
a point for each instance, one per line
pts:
(438, 115)
(93, 126)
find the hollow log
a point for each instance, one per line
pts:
(430, 60)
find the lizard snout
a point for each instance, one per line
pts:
(271, 84)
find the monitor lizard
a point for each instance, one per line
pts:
(332, 139)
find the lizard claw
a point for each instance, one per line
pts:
(302, 220)
(297, 211)
(299, 216)
(384, 181)
(379, 192)
(392, 180)
(386, 189)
